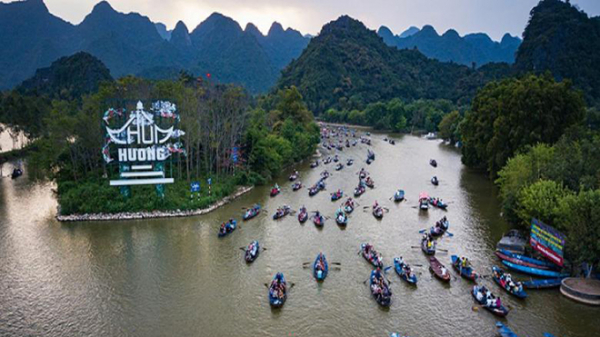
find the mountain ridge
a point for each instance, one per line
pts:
(474, 48)
(130, 43)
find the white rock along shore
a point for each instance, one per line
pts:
(153, 214)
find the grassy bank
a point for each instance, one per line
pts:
(96, 196)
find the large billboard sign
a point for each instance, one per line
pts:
(141, 141)
(548, 241)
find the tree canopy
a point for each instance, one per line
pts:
(509, 115)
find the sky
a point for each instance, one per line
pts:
(494, 17)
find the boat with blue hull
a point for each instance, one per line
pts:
(380, 288)
(405, 271)
(227, 227)
(543, 283)
(529, 260)
(278, 291)
(399, 195)
(320, 267)
(504, 331)
(466, 272)
(533, 271)
(251, 212)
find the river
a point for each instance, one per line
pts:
(174, 277)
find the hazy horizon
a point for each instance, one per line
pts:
(492, 17)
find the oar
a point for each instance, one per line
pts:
(442, 250)
(422, 231)
(415, 246)
(386, 209)
(243, 248)
(337, 263)
(417, 265)
(449, 234)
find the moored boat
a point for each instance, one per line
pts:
(543, 283)
(438, 269)
(504, 280)
(514, 241)
(532, 271)
(529, 260)
(278, 291)
(435, 181)
(296, 186)
(339, 166)
(294, 176)
(252, 251)
(487, 300)
(433, 163)
(320, 267)
(314, 164)
(502, 254)
(380, 288)
(405, 271)
(369, 182)
(463, 267)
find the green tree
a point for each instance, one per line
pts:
(449, 127)
(507, 116)
(580, 219)
(541, 201)
(520, 172)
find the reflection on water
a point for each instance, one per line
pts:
(175, 277)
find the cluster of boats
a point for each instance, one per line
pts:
(379, 284)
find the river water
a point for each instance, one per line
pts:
(174, 277)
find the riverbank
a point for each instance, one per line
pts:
(153, 214)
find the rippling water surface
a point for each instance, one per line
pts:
(174, 277)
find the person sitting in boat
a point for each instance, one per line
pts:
(464, 262)
(340, 215)
(444, 271)
(376, 205)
